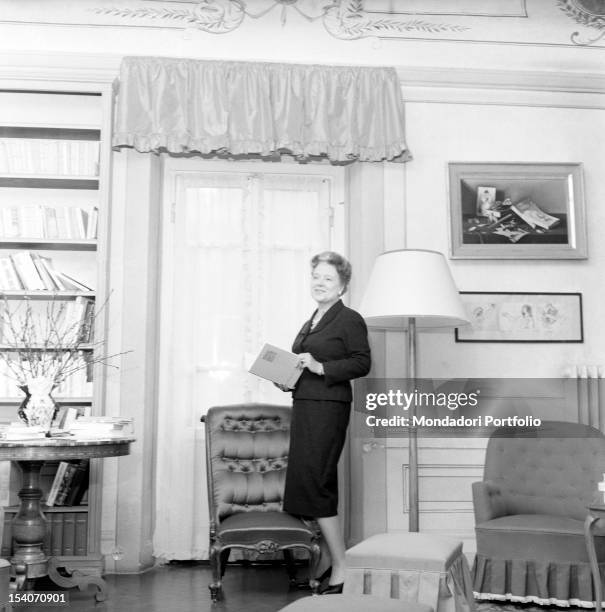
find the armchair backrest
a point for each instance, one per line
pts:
(246, 458)
(556, 472)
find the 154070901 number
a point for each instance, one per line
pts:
(41, 598)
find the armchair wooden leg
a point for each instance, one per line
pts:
(224, 559)
(313, 565)
(290, 565)
(215, 564)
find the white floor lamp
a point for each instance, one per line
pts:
(412, 289)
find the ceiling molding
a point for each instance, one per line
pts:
(568, 82)
(437, 83)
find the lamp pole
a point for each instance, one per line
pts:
(423, 295)
(412, 433)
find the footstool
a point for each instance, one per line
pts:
(413, 567)
(352, 603)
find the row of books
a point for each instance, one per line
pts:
(53, 326)
(29, 271)
(70, 483)
(49, 222)
(45, 156)
(77, 384)
(66, 534)
(101, 427)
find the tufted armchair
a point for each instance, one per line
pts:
(246, 458)
(529, 513)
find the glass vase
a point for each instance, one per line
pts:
(38, 407)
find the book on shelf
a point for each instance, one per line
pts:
(43, 271)
(31, 221)
(70, 483)
(51, 229)
(81, 535)
(79, 484)
(48, 222)
(69, 533)
(10, 222)
(27, 271)
(93, 220)
(56, 280)
(30, 271)
(54, 490)
(8, 275)
(51, 157)
(66, 533)
(71, 284)
(66, 484)
(56, 534)
(76, 326)
(533, 215)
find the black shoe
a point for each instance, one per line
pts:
(303, 585)
(332, 589)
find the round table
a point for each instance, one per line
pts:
(29, 525)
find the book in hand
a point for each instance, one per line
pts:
(532, 214)
(278, 366)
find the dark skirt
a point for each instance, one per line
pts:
(317, 435)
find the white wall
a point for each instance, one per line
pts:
(441, 133)
(481, 125)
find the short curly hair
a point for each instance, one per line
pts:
(342, 265)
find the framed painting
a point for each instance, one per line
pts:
(516, 211)
(521, 317)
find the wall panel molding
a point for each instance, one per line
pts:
(502, 87)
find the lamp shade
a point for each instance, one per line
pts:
(412, 283)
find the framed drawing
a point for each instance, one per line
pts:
(522, 317)
(516, 211)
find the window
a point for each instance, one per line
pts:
(235, 274)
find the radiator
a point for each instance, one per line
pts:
(590, 391)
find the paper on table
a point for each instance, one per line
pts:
(277, 365)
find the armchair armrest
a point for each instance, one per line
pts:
(488, 501)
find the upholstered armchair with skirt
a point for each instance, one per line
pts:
(246, 460)
(530, 511)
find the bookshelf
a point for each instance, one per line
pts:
(54, 205)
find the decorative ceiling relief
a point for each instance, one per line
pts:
(590, 13)
(297, 22)
(346, 19)
(216, 16)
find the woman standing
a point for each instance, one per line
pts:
(333, 348)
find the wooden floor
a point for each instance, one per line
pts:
(183, 587)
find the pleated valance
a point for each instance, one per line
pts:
(240, 108)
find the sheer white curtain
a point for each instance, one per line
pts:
(235, 276)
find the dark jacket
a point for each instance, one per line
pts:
(340, 342)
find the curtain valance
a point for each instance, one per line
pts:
(238, 108)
